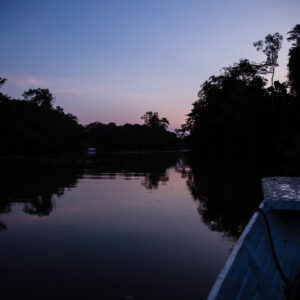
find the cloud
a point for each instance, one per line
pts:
(30, 81)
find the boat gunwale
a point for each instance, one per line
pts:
(231, 260)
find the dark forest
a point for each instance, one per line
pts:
(237, 114)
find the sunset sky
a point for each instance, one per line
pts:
(110, 61)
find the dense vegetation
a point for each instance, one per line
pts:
(152, 135)
(238, 115)
(32, 125)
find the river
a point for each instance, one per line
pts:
(135, 226)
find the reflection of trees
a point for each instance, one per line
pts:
(152, 179)
(152, 166)
(40, 205)
(183, 167)
(35, 185)
(2, 226)
(227, 194)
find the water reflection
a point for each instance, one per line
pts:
(226, 193)
(2, 226)
(35, 185)
(152, 167)
(120, 225)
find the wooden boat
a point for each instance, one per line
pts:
(266, 259)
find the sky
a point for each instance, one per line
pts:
(113, 60)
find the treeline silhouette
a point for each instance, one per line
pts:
(32, 125)
(238, 115)
(153, 135)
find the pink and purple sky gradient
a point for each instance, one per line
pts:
(111, 61)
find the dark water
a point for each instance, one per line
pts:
(146, 226)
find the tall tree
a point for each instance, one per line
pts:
(294, 60)
(225, 119)
(40, 97)
(152, 119)
(2, 96)
(270, 47)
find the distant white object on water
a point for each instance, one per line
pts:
(91, 151)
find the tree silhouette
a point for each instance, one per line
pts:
(132, 137)
(2, 81)
(33, 126)
(40, 97)
(2, 96)
(224, 118)
(294, 36)
(236, 115)
(270, 47)
(152, 119)
(294, 60)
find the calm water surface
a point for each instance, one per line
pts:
(150, 227)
